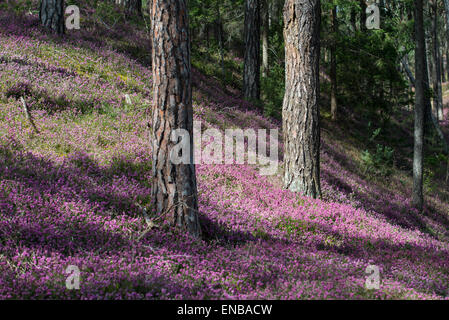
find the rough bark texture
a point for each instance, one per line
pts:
(420, 92)
(333, 73)
(174, 188)
(51, 15)
(300, 112)
(251, 75)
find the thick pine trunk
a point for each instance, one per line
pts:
(51, 15)
(333, 73)
(300, 112)
(251, 76)
(420, 103)
(174, 188)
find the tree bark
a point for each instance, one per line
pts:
(265, 32)
(420, 93)
(443, 73)
(363, 15)
(251, 76)
(51, 15)
(436, 71)
(447, 62)
(220, 38)
(353, 19)
(333, 73)
(300, 112)
(174, 188)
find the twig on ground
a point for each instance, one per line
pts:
(28, 114)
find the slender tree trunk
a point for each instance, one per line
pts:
(436, 72)
(446, 10)
(276, 10)
(300, 112)
(251, 76)
(363, 15)
(265, 32)
(441, 58)
(220, 38)
(333, 73)
(354, 19)
(447, 62)
(174, 188)
(420, 93)
(51, 15)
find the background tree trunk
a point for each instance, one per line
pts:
(447, 63)
(220, 39)
(436, 71)
(251, 76)
(333, 73)
(174, 188)
(265, 32)
(300, 113)
(420, 93)
(354, 19)
(363, 15)
(51, 15)
(443, 73)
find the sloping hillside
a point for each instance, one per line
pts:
(70, 194)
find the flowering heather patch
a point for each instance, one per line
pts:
(70, 194)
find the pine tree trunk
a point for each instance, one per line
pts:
(174, 188)
(436, 72)
(300, 112)
(265, 32)
(447, 63)
(363, 15)
(446, 11)
(220, 39)
(251, 76)
(353, 19)
(333, 73)
(51, 15)
(443, 73)
(420, 93)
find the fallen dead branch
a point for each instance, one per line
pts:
(28, 114)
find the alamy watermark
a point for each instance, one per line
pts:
(373, 15)
(259, 151)
(72, 22)
(73, 280)
(373, 279)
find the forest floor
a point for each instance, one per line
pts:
(70, 194)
